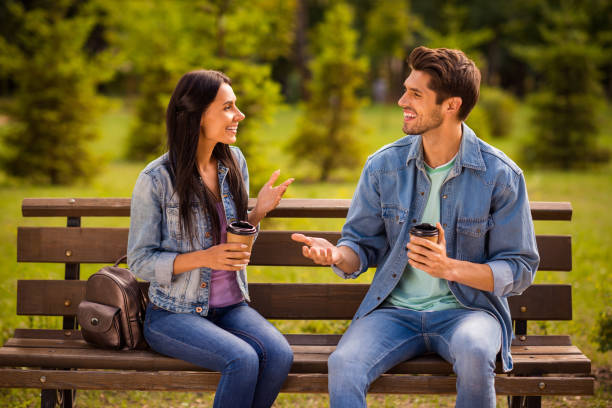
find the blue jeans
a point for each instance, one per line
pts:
(468, 339)
(253, 357)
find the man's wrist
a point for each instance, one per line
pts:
(452, 272)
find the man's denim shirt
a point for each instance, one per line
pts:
(484, 211)
(155, 238)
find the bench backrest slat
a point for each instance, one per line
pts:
(289, 207)
(105, 245)
(291, 300)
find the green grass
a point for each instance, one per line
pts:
(590, 193)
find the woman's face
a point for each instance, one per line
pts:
(220, 121)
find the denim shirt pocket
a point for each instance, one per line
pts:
(471, 238)
(395, 218)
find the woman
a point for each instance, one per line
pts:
(181, 205)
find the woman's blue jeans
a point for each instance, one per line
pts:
(468, 339)
(253, 357)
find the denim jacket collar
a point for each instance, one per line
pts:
(469, 153)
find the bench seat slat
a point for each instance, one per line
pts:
(288, 207)
(294, 339)
(295, 301)
(272, 248)
(306, 360)
(295, 383)
(298, 349)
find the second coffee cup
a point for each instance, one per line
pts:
(242, 232)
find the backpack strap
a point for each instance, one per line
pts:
(123, 259)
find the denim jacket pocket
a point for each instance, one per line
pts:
(471, 238)
(394, 218)
(173, 223)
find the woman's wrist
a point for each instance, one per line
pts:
(256, 215)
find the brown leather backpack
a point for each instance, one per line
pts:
(112, 313)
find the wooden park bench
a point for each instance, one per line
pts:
(59, 361)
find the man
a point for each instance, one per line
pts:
(447, 297)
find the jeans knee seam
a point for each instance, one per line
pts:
(450, 351)
(394, 348)
(256, 340)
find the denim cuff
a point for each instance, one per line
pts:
(503, 278)
(361, 255)
(164, 267)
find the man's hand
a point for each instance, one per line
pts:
(320, 250)
(431, 257)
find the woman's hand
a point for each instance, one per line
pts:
(224, 257)
(268, 198)
(227, 257)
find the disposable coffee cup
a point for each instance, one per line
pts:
(242, 232)
(425, 230)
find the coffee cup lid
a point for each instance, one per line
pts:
(241, 228)
(424, 230)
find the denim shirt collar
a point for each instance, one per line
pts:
(469, 154)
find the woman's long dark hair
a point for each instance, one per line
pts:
(193, 94)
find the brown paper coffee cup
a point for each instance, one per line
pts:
(241, 232)
(425, 230)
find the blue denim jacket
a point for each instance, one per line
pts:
(484, 211)
(155, 238)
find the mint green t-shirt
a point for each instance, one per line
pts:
(416, 289)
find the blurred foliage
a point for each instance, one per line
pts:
(55, 101)
(480, 123)
(567, 104)
(149, 37)
(389, 32)
(183, 36)
(456, 35)
(500, 108)
(602, 332)
(57, 56)
(329, 132)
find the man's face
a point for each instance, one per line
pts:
(421, 113)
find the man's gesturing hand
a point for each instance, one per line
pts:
(320, 250)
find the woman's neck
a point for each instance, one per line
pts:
(204, 155)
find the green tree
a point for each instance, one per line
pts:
(328, 129)
(55, 102)
(456, 35)
(155, 47)
(246, 59)
(163, 40)
(390, 29)
(566, 106)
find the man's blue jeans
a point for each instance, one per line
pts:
(468, 339)
(253, 357)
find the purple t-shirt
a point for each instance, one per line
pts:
(224, 290)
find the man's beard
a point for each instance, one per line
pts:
(433, 121)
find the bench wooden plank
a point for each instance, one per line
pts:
(291, 301)
(105, 245)
(288, 207)
(309, 339)
(297, 349)
(295, 383)
(311, 360)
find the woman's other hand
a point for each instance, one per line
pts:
(268, 197)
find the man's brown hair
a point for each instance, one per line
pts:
(452, 74)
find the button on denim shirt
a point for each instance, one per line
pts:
(484, 211)
(156, 239)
